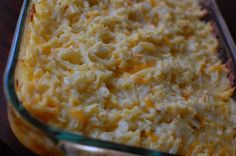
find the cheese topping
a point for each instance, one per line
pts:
(138, 72)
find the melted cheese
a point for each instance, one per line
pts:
(143, 73)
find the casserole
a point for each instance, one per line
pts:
(36, 139)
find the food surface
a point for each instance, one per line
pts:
(139, 72)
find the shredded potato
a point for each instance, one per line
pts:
(137, 72)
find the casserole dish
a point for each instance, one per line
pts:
(48, 140)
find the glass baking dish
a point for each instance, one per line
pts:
(46, 140)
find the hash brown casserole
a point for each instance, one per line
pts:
(138, 72)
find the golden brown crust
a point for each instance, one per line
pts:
(32, 12)
(131, 65)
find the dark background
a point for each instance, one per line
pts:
(8, 18)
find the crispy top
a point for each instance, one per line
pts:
(138, 72)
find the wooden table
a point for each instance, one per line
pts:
(8, 17)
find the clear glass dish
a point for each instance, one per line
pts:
(46, 140)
